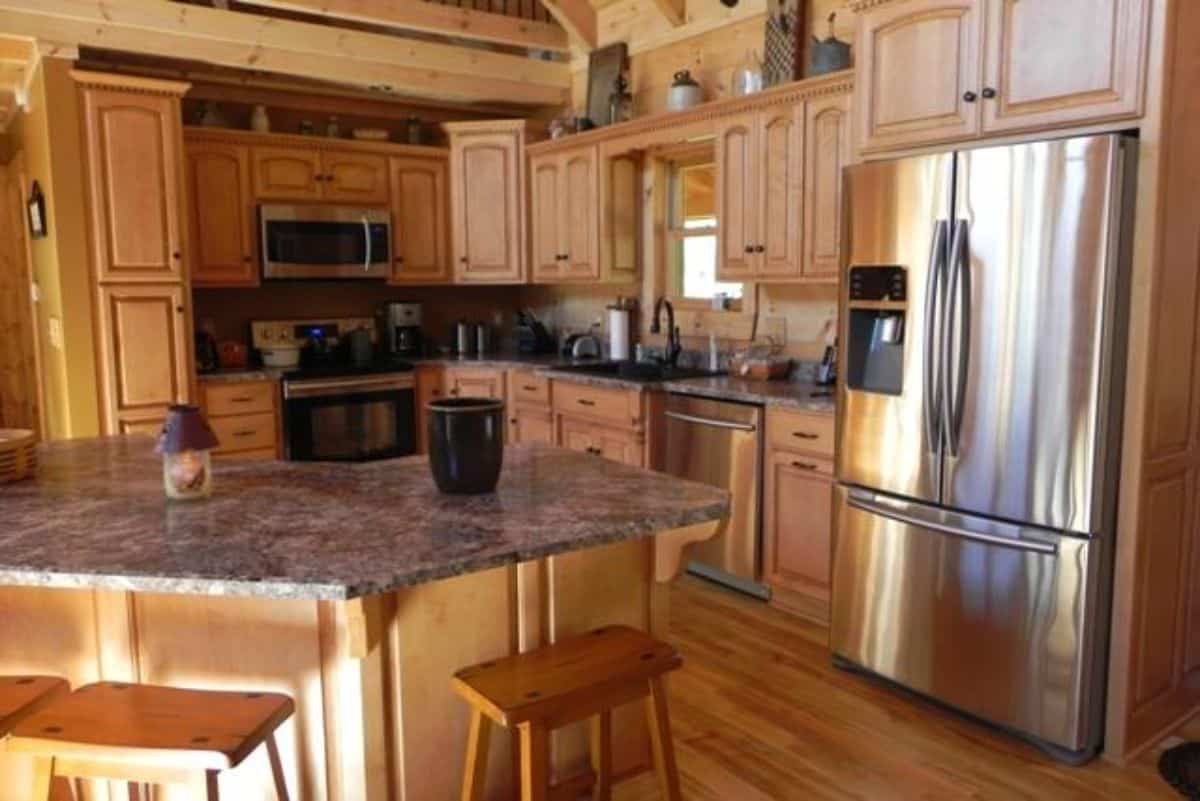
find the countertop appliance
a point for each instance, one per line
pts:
(720, 443)
(402, 322)
(320, 241)
(335, 409)
(531, 335)
(979, 420)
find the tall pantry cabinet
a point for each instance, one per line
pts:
(133, 173)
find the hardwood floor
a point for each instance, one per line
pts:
(759, 714)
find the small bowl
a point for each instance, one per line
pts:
(466, 444)
(282, 356)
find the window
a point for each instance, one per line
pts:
(692, 234)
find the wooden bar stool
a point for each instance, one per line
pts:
(21, 696)
(581, 677)
(157, 735)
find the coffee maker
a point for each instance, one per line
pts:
(402, 322)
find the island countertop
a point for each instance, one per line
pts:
(96, 517)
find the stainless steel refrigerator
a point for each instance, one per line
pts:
(978, 429)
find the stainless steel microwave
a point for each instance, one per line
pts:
(325, 241)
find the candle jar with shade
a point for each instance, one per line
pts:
(186, 447)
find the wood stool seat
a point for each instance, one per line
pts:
(572, 680)
(143, 733)
(21, 696)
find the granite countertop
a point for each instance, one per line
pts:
(786, 394)
(96, 517)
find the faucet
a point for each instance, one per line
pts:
(673, 346)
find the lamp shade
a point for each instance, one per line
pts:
(186, 430)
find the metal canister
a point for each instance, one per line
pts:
(464, 338)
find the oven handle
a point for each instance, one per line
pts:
(367, 239)
(315, 389)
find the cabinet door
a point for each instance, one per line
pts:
(798, 505)
(737, 226)
(919, 73)
(221, 214)
(286, 173)
(431, 385)
(472, 383)
(1056, 62)
(576, 435)
(618, 445)
(354, 177)
(620, 216)
(134, 184)
(419, 211)
(781, 190)
(579, 215)
(530, 424)
(544, 225)
(827, 151)
(486, 197)
(144, 349)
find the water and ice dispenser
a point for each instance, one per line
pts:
(877, 306)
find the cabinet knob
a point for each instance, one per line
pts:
(463, 259)
(749, 248)
(399, 260)
(970, 97)
(759, 248)
(988, 93)
(179, 309)
(177, 255)
(247, 259)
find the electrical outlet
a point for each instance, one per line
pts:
(56, 333)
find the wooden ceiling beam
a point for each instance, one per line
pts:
(423, 17)
(249, 41)
(578, 17)
(675, 11)
(14, 49)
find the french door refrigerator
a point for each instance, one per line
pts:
(978, 429)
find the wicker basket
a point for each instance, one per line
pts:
(18, 454)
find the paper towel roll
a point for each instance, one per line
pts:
(618, 334)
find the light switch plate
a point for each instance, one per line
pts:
(56, 333)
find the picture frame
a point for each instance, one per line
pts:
(604, 65)
(36, 210)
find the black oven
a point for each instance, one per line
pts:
(354, 418)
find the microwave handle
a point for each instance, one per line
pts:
(367, 238)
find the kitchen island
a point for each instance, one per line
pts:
(357, 589)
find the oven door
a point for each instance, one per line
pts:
(349, 419)
(325, 241)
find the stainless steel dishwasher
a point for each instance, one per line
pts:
(720, 443)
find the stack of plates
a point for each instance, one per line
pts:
(18, 454)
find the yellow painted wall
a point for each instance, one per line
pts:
(49, 135)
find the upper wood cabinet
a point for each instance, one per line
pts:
(144, 354)
(132, 141)
(932, 71)
(827, 150)
(620, 216)
(737, 202)
(780, 187)
(487, 196)
(302, 173)
(564, 197)
(421, 245)
(220, 214)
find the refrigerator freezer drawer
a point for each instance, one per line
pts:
(999, 621)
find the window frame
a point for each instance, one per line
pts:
(675, 232)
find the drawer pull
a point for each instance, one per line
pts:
(529, 388)
(586, 402)
(804, 435)
(245, 433)
(804, 466)
(241, 399)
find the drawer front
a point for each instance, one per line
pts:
(619, 406)
(246, 456)
(240, 398)
(800, 431)
(245, 432)
(529, 387)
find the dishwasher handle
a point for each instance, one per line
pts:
(708, 421)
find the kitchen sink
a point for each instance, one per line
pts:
(637, 371)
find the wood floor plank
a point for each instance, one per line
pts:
(759, 713)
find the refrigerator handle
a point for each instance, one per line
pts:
(932, 407)
(956, 321)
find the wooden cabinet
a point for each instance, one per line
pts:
(601, 421)
(304, 173)
(421, 247)
(220, 213)
(475, 382)
(797, 513)
(431, 385)
(545, 187)
(585, 436)
(132, 142)
(245, 418)
(780, 191)
(736, 174)
(932, 71)
(827, 150)
(530, 417)
(620, 187)
(1053, 62)
(487, 196)
(144, 349)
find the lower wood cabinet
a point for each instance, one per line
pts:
(797, 510)
(587, 436)
(602, 421)
(436, 381)
(245, 418)
(530, 417)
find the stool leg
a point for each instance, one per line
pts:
(206, 786)
(281, 793)
(475, 768)
(135, 791)
(602, 755)
(535, 761)
(660, 738)
(43, 775)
